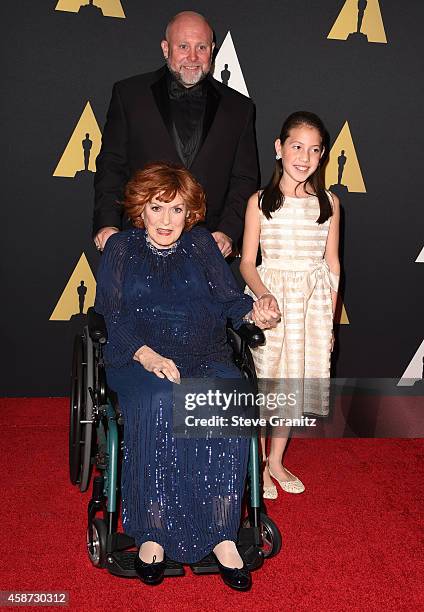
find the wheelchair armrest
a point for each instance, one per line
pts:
(250, 333)
(96, 326)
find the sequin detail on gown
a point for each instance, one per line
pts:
(184, 494)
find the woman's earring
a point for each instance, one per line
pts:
(278, 156)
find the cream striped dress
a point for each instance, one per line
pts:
(296, 356)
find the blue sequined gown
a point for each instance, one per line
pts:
(183, 493)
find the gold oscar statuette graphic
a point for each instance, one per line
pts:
(359, 21)
(83, 147)
(102, 8)
(342, 173)
(78, 294)
(340, 316)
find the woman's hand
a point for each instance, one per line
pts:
(266, 312)
(263, 323)
(158, 365)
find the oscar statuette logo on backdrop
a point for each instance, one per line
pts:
(92, 8)
(79, 157)
(358, 22)
(342, 173)
(77, 296)
(227, 67)
(415, 369)
(342, 176)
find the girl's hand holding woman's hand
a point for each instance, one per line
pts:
(158, 365)
(266, 312)
(268, 302)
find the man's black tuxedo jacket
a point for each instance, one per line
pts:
(138, 130)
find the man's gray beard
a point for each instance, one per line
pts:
(179, 78)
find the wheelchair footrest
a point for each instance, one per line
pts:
(207, 565)
(121, 541)
(122, 564)
(248, 544)
(252, 555)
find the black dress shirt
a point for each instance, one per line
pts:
(187, 106)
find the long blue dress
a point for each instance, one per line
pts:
(183, 493)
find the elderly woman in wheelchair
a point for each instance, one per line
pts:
(166, 292)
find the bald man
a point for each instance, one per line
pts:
(180, 114)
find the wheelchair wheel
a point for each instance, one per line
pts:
(97, 552)
(87, 431)
(270, 535)
(77, 409)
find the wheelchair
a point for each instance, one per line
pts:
(96, 441)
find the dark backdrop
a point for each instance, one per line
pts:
(55, 61)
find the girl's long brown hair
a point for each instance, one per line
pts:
(272, 198)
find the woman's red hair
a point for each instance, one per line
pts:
(164, 181)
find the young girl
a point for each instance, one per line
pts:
(296, 222)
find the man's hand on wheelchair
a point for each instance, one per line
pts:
(102, 236)
(224, 242)
(158, 365)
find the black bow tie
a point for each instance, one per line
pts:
(178, 92)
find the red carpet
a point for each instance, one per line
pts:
(352, 541)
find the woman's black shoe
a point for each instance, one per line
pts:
(150, 573)
(238, 579)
